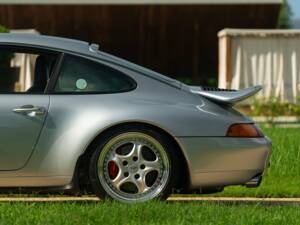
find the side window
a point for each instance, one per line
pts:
(82, 75)
(24, 71)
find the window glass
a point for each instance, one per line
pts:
(82, 75)
(23, 72)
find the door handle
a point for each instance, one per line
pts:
(30, 110)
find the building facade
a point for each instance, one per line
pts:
(176, 38)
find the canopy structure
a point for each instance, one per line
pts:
(270, 58)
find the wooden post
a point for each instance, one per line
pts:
(225, 61)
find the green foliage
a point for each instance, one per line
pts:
(212, 82)
(3, 29)
(185, 80)
(284, 19)
(5, 58)
(273, 108)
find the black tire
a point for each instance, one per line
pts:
(162, 139)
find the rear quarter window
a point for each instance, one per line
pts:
(79, 75)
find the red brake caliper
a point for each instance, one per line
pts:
(113, 169)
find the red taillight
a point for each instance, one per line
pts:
(244, 130)
(113, 170)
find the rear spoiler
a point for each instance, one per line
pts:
(225, 96)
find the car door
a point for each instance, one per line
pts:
(21, 121)
(24, 76)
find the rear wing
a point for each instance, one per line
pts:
(225, 96)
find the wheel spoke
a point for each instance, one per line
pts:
(137, 150)
(152, 165)
(119, 180)
(141, 185)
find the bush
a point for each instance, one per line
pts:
(270, 109)
(3, 29)
(273, 107)
(185, 80)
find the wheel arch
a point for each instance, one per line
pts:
(82, 162)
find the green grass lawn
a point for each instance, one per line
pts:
(283, 177)
(147, 213)
(281, 180)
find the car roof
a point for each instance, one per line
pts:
(43, 41)
(78, 47)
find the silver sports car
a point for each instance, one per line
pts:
(75, 118)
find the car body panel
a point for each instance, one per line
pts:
(74, 120)
(221, 161)
(19, 132)
(71, 127)
(46, 42)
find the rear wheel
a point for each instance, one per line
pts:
(133, 165)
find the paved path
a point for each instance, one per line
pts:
(225, 200)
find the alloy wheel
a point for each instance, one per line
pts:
(133, 167)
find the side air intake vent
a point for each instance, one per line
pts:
(215, 89)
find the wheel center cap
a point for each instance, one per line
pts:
(134, 168)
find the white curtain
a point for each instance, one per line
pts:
(273, 62)
(25, 62)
